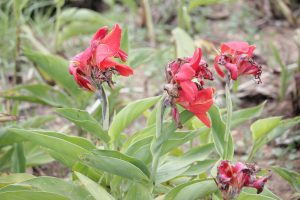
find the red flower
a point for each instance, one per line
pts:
(97, 64)
(236, 57)
(232, 178)
(186, 80)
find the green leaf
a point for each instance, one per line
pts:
(84, 120)
(218, 132)
(261, 127)
(95, 190)
(199, 167)
(30, 195)
(192, 190)
(196, 3)
(138, 191)
(140, 56)
(184, 43)
(265, 130)
(38, 93)
(57, 68)
(18, 159)
(78, 21)
(290, 176)
(69, 148)
(174, 167)
(124, 41)
(266, 192)
(247, 196)
(117, 163)
(14, 178)
(243, 115)
(132, 111)
(52, 185)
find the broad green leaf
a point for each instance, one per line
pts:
(31, 195)
(69, 190)
(57, 68)
(69, 148)
(132, 111)
(218, 132)
(262, 133)
(124, 41)
(88, 171)
(240, 116)
(175, 166)
(18, 160)
(290, 176)
(266, 192)
(84, 120)
(140, 56)
(94, 189)
(14, 178)
(261, 127)
(183, 42)
(117, 163)
(247, 196)
(196, 3)
(38, 93)
(192, 190)
(78, 21)
(139, 191)
(199, 167)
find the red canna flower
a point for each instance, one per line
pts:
(185, 78)
(97, 63)
(236, 57)
(232, 178)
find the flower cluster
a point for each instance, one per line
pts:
(97, 63)
(185, 77)
(232, 178)
(237, 58)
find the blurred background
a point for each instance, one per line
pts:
(38, 37)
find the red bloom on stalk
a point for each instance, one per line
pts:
(232, 178)
(96, 64)
(236, 57)
(185, 85)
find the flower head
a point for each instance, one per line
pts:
(237, 58)
(232, 178)
(97, 63)
(185, 77)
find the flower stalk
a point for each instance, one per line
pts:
(101, 95)
(229, 116)
(156, 145)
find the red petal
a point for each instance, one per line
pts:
(185, 72)
(204, 118)
(235, 47)
(122, 55)
(113, 39)
(195, 60)
(124, 70)
(100, 34)
(102, 52)
(189, 91)
(233, 70)
(217, 67)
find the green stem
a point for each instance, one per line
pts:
(57, 25)
(156, 144)
(228, 120)
(101, 95)
(149, 21)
